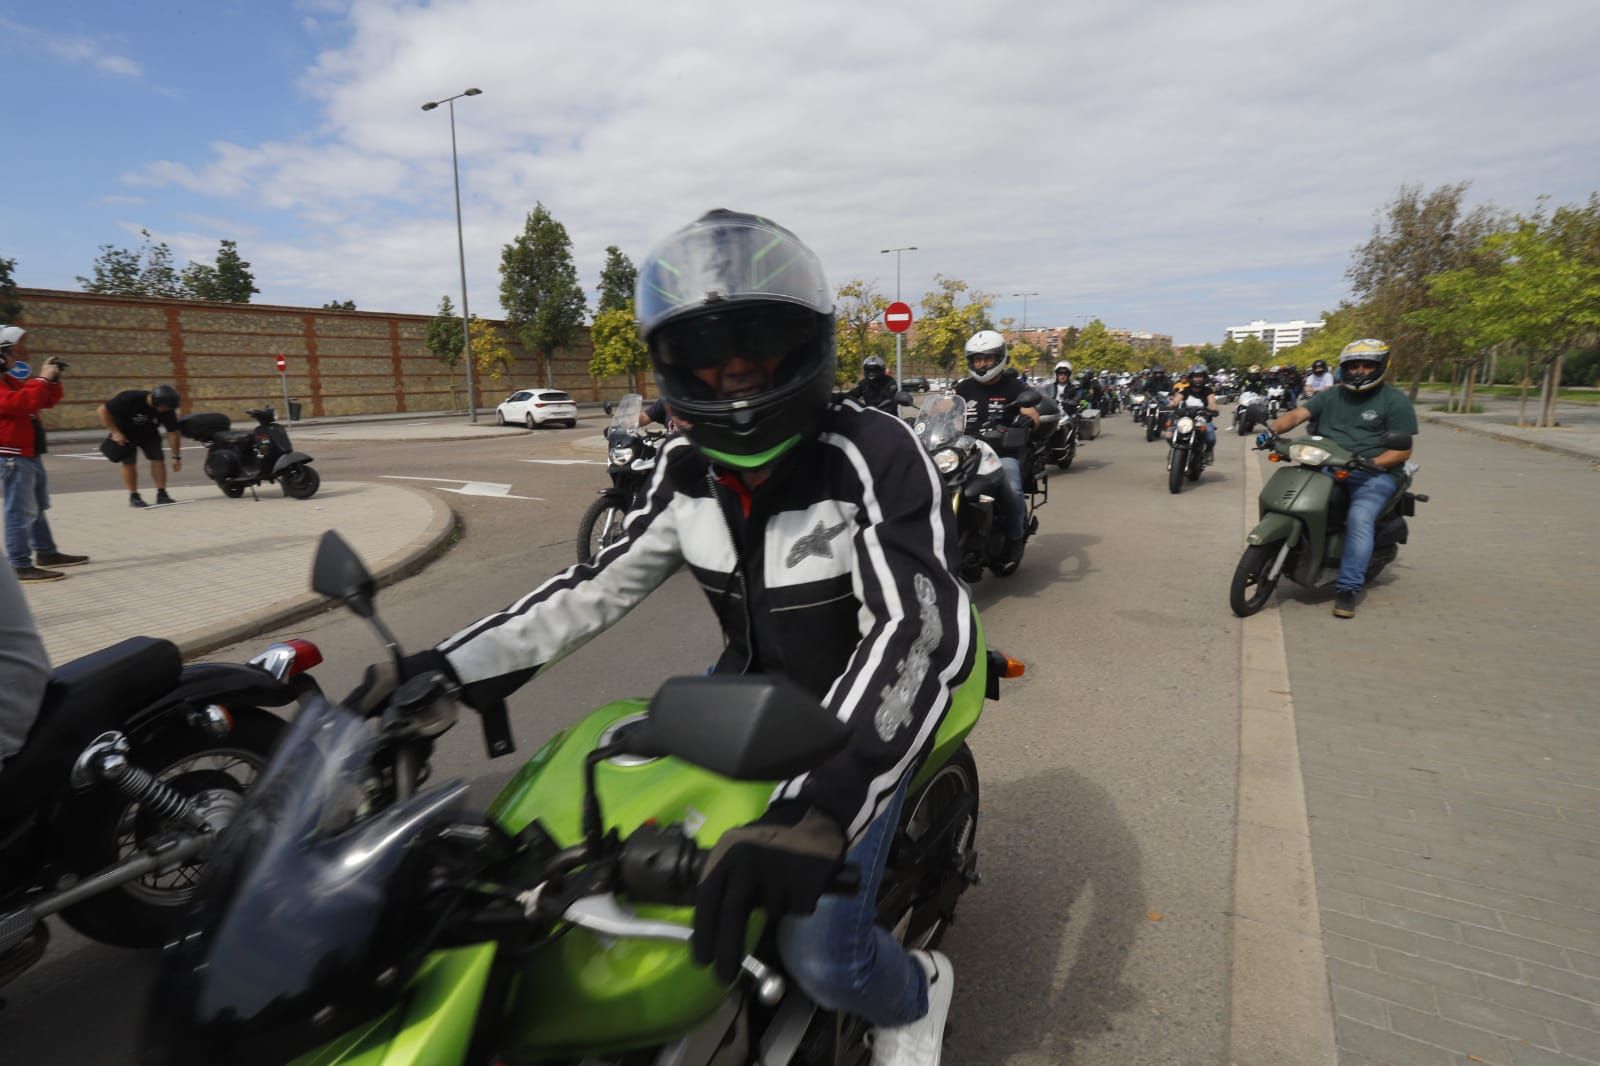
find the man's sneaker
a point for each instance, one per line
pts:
(60, 559)
(922, 1042)
(1344, 604)
(33, 573)
(136, 500)
(162, 497)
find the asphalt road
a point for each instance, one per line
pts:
(1109, 771)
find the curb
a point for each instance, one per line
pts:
(1280, 1008)
(423, 549)
(1483, 431)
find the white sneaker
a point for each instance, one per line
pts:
(921, 1042)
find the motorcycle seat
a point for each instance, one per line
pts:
(233, 436)
(85, 698)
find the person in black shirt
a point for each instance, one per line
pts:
(1199, 388)
(877, 387)
(135, 419)
(989, 388)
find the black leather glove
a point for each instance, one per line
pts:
(379, 682)
(782, 862)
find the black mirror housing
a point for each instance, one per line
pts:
(903, 398)
(753, 727)
(1396, 442)
(338, 572)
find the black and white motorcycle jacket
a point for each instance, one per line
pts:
(838, 572)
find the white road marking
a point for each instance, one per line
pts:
(77, 455)
(564, 462)
(470, 488)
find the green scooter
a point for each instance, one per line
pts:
(1303, 507)
(355, 919)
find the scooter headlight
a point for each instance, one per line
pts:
(621, 455)
(1185, 425)
(1308, 454)
(945, 460)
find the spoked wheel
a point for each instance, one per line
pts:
(601, 526)
(300, 482)
(212, 773)
(1177, 459)
(1251, 589)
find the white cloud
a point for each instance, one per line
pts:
(1199, 163)
(71, 49)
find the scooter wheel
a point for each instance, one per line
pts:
(301, 482)
(233, 492)
(1250, 590)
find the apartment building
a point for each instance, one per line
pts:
(1277, 335)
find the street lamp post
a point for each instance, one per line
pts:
(461, 253)
(1025, 296)
(899, 338)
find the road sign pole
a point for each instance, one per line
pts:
(899, 339)
(287, 410)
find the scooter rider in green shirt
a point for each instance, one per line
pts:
(1357, 414)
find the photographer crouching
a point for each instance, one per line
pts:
(22, 447)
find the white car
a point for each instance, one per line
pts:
(535, 407)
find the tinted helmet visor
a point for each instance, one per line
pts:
(758, 333)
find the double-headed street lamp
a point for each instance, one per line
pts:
(461, 252)
(1025, 296)
(898, 337)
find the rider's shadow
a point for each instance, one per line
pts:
(1041, 944)
(1051, 558)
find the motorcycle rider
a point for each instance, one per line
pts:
(1356, 415)
(877, 387)
(822, 538)
(1319, 379)
(1090, 391)
(1062, 390)
(1197, 384)
(1254, 381)
(1293, 383)
(1158, 381)
(989, 387)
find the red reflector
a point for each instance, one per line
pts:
(306, 655)
(541, 403)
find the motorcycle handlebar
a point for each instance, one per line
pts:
(663, 865)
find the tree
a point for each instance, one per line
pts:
(229, 280)
(1024, 356)
(339, 305)
(947, 322)
(539, 288)
(856, 307)
(1417, 236)
(1097, 350)
(618, 348)
(147, 271)
(490, 350)
(617, 279)
(1243, 354)
(444, 341)
(10, 306)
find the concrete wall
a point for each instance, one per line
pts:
(221, 357)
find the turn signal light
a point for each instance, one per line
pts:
(1274, 458)
(1340, 475)
(1013, 667)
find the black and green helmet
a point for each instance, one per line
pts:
(735, 285)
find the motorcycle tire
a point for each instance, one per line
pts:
(1196, 464)
(233, 492)
(1151, 431)
(1250, 590)
(152, 910)
(1065, 462)
(300, 482)
(1175, 470)
(1243, 426)
(595, 535)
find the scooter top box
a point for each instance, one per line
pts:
(1088, 424)
(204, 426)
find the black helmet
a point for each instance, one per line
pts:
(873, 367)
(165, 396)
(1199, 370)
(1319, 365)
(734, 285)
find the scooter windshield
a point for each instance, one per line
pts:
(626, 414)
(940, 421)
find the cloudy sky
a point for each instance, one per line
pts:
(1177, 167)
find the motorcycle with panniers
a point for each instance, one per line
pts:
(631, 454)
(238, 459)
(357, 918)
(1303, 507)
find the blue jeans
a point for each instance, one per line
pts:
(1013, 512)
(841, 958)
(1368, 493)
(27, 499)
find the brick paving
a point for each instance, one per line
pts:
(1450, 743)
(208, 566)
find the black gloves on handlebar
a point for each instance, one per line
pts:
(380, 681)
(782, 862)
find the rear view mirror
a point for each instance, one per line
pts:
(339, 573)
(607, 406)
(1396, 442)
(750, 728)
(903, 398)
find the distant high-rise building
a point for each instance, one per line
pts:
(1141, 340)
(1278, 335)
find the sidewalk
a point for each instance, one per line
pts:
(1578, 434)
(209, 571)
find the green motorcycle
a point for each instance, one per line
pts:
(354, 919)
(1301, 531)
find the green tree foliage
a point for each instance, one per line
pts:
(229, 279)
(950, 315)
(1097, 350)
(10, 306)
(1242, 354)
(617, 279)
(1347, 324)
(490, 350)
(146, 271)
(444, 341)
(339, 305)
(856, 307)
(1024, 356)
(539, 288)
(618, 348)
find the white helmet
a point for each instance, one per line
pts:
(1063, 365)
(10, 335)
(987, 342)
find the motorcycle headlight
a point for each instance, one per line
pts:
(1308, 454)
(945, 460)
(1185, 425)
(622, 455)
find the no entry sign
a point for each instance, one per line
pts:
(283, 364)
(897, 317)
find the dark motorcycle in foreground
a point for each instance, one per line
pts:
(1157, 415)
(1186, 447)
(361, 914)
(631, 454)
(1303, 508)
(242, 459)
(134, 767)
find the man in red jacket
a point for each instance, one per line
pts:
(27, 494)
